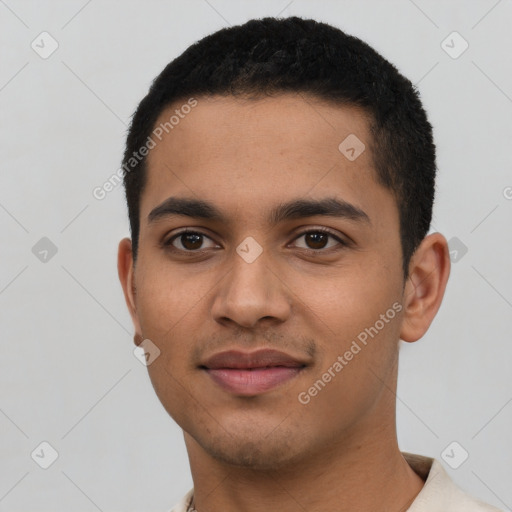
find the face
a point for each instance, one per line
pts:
(322, 283)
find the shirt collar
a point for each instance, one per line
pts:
(438, 494)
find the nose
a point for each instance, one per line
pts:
(251, 293)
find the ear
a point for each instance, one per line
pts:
(429, 270)
(125, 270)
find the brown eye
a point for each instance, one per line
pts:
(318, 239)
(189, 241)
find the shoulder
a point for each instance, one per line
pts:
(458, 500)
(440, 493)
(183, 504)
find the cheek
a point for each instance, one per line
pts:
(358, 356)
(346, 299)
(165, 294)
(168, 307)
(355, 317)
(165, 307)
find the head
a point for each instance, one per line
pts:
(271, 56)
(259, 133)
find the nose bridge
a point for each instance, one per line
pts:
(250, 291)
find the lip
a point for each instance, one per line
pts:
(252, 373)
(257, 359)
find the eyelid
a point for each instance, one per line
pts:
(167, 243)
(341, 241)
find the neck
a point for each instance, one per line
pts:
(366, 475)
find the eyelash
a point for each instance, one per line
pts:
(167, 244)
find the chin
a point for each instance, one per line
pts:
(261, 450)
(255, 455)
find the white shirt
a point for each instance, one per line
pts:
(439, 493)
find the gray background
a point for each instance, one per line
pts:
(68, 375)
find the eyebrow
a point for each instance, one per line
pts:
(292, 210)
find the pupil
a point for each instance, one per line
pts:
(193, 241)
(191, 237)
(317, 239)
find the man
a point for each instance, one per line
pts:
(280, 180)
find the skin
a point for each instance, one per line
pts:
(269, 451)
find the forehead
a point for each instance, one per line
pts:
(292, 125)
(241, 153)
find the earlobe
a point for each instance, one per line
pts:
(125, 269)
(428, 275)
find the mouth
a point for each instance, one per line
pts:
(252, 381)
(250, 374)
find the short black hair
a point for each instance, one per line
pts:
(294, 55)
